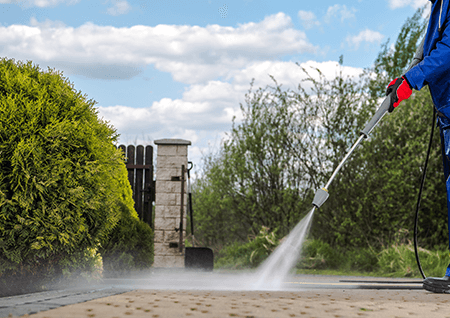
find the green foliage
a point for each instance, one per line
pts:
(376, 192)
(289, 143)
(251, 183)
(250, 254)
(82, 264)
(130, 246)
(285, 146)
(398, 260)
(317, 254)
(61, 177)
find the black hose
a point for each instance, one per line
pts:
(416, 222)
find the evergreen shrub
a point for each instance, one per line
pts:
(130, 245)
(63, 183)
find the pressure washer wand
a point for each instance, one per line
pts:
(322, 194)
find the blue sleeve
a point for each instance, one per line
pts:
(435, 66)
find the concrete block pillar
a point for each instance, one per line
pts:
(171, 156)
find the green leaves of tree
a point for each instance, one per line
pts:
(289, 142)
(284, 148)
(61, 177)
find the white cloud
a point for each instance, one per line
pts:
(340, 12)
(212, 105)
(308, 19)
(288, 74)
(39, 3)
(206, 107)
(206, 110)
(366, 35)
(195, 55)
(120, 7)
(191, 54)
(395, 4)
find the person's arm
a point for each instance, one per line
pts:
(435, 66)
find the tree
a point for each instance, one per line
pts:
(377, 189)
(273, 161)
(253, 181)
(374, 195)
(289, 143)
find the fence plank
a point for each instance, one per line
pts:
(149, 187)
(131, 158)
(139, 175)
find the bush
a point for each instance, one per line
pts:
(61, 177)
(399, 260)
(130, 245)
(362, 259)
(320, 255)
(129, 248)
(317, 254)
(249, 254)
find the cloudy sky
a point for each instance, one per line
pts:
(180, 68)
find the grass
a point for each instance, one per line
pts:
(319, 258)
(396, 260)
(337, 272)
(334, 272)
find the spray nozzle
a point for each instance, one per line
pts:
(320, 197)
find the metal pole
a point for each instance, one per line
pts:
(191, 211)
(344, 160)
(182, 208)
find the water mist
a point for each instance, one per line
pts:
(271, 274)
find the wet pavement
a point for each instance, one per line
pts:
(161, 294)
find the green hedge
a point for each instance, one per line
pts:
(63, 183)
(130, 245)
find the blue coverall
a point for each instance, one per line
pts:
(434, 71)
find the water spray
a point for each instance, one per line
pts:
(322, 194)
(276, 268)
(272, 274)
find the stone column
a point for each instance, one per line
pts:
(171, 155)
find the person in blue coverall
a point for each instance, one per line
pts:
(434, 71)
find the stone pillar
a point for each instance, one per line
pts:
(171, 155)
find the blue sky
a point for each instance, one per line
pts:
(180, 68)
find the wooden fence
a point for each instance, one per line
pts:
(139, 163)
